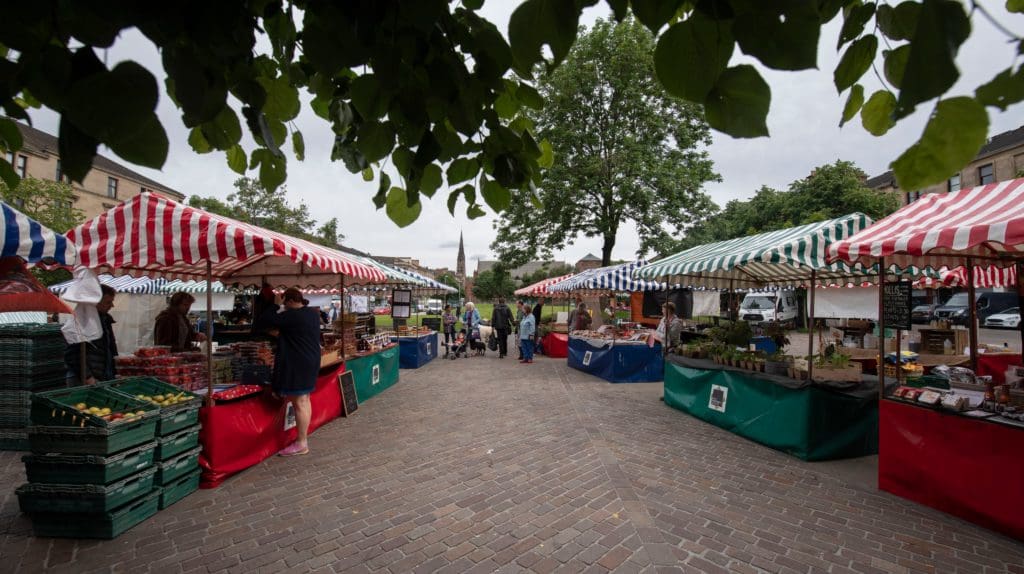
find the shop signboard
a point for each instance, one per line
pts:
(349, 403)
(896, 305)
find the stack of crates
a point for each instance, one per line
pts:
(91, 472)
(177, 434)
(31, 359)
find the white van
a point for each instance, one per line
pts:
(762, 307)
(434, 307)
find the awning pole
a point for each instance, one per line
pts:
(972, 316)
(209, 333)
(1020, 300)
(881, 328)
(341, 282)
(810, 331)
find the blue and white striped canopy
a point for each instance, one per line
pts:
(611, 278)
(27, 238)
(122, 284)
(427, 282)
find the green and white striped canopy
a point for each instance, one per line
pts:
(785, 257)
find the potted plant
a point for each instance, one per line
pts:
(778, 363)
(835, 365)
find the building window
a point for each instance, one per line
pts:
(144, 190)
(112, 187)
(986, 174)
(61, 176)
(913, 196)
(21, 166)
(9, 156)
(954, 183)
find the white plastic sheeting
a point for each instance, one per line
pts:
(706, 303)
(846, 303)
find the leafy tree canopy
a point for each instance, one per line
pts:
(50, 203)
(438, 90)
(493, 283)
(830, 191)
(545, 272)
(627, 151)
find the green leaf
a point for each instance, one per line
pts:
(76, 149)
(896, 64)
(496, 196)
(469, 192)
(453, 199)
(900, 22)
(783, 35)
(691, 55)
(655, 13)
(236, 159)
(931, 67)
(431, 180)
(376, 140)
(529, 96)
(853, 103)
(381, 199)
(224, 131)
(878, 111)
(853, 24)
(367, 174)
(855, 61)
(462, 169)
(738, 104)
(273, 170)
(547, 157)
(367, 97)
(147, 145)
(538, 22)
(954, 135)
(9, 177)
(473, 4)
(1004, 90)
(10, 135)
(474, 212)
(1015, 6)
(197, 140)
(399, 210)
(112, 106)
(506, 106)
(402, 158)
(282, 98)
(321, 107)
(298, 145)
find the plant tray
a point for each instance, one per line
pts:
(171, 446)
(173, 418)
(105, 525)
(90, 440)
(57, 408)
(41, 382)
(13, 440)
(12, 399)
(88, 469)
(84, 498)
(27, 367)
(179, 489)
(14, 417)
(170, 470)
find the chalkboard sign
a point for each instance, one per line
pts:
(896, 305)
(349, 404)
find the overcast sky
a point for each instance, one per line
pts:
(803, 123)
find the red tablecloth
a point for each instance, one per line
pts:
(243, 433)
(995, 364)
(556, 345)
(966, 467)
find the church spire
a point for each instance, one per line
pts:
(460, 265)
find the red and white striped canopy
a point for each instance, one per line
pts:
(944, 229)
(156, 236)
(988, 276)
(540, 288)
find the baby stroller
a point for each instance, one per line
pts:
(463, 345)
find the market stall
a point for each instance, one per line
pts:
(762, 382)
(416, 347)
(615, 353)
(954, 446)
(154, 236)
(556, 341)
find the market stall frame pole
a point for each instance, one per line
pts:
(341, 282)
(810, 331)
(1020, 300)
(881, 328)
(972, 316)
(209, 333)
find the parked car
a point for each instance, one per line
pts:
(923, 314)
(1007, 319)
(987, 304)
(382, 310)
(765, 307)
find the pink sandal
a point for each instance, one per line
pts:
(294, 450)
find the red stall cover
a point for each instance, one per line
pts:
(243, 433)
(969, 468)
(556, 345)
(995, 364)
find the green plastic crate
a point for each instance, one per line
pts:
(104, 525)
(16, 398)
(170, 470)
(91, 440)
(171, 446)
(88, 469)
(14, 418)
(13, 440)
(179, 489)
(173, 418)
(29, 330)
(57, 408)
(84, 498)
(33, 382)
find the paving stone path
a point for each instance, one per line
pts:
(486, 465)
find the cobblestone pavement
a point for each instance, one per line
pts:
(483, 465)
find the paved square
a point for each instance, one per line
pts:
(486, 465)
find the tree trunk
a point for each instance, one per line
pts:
(606, 250)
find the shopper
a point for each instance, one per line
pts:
(581, 318)
(669, 328)
(536, 326)
(527, 329)
(448, 322)
(501, 320)
(297, 360)
(99, 353)
(471, 318)
(173, 327)
(519, 319)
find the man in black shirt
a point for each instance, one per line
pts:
(501, 320)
